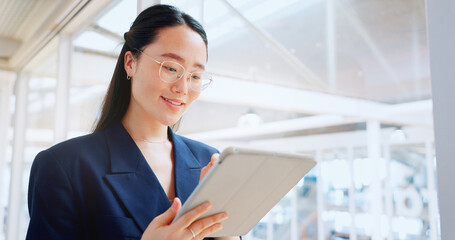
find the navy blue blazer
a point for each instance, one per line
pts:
(99, 186)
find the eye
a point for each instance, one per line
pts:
(170, 69)
(196, 76)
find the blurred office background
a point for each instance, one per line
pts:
(346, 81)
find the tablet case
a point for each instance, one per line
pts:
(246, 184)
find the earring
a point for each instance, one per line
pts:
(128, 77)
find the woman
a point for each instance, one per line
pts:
(128, 179)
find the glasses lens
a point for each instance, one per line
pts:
(200, 81)
(171, 71)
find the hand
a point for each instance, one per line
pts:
(206, 169)
(162, 227)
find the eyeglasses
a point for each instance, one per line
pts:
(172, 72)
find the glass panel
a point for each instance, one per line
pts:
(89, 83)
(6, 101)
(301, 201)
(376, 50)
(120, 17)
(97, 42)
(94, 58)
(362, 181)
(307, 206)
(408, 177)
(336, 174)
(40, 124)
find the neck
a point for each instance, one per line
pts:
(140, 127)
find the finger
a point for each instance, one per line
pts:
(189, 217)
(206, 169)
(204, 223)
(167, 217)
(214, 158)
(214, 228)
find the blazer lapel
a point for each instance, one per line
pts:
(186, 168)
(132, 179)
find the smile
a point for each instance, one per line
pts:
(172, 102)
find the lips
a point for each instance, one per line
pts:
(175, 102)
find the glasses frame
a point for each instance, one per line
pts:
(184, 73)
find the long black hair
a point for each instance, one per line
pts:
(143, 31)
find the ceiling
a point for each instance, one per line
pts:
(315, 62)
(27, 26)
(378, 50)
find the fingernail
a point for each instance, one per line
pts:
(219, 227)
(174, 204)
(206, 205)
(224, 216)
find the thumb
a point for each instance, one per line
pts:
(167, 217)
(214, 158)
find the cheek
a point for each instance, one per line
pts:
(142, 92)
(146, 84)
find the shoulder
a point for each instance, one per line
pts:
(80, 145)
(68, 151)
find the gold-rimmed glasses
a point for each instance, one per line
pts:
(172, 72)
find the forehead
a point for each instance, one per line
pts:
(181, 40)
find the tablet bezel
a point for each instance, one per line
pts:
(247, 155)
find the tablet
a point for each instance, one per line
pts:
(246, 184)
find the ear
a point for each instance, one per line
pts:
(130, 63)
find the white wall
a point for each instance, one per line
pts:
(441, 32)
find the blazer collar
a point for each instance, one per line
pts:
(125, 155)
(187, 168)
(134, 182)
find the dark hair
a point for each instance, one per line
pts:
(143, 31)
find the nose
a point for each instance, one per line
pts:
(182, 85)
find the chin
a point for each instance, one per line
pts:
(169, 122)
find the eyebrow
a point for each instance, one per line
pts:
(177, 57)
